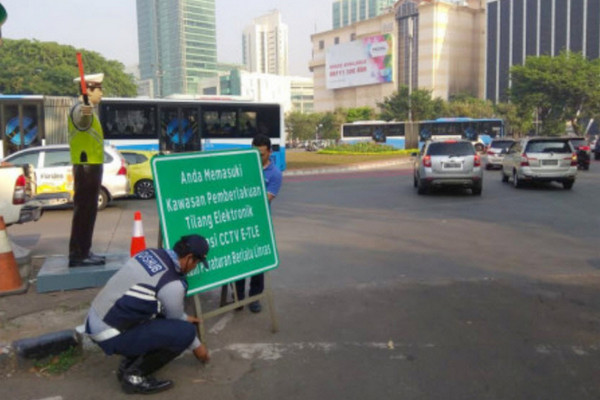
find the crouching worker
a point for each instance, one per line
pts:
(139, 314)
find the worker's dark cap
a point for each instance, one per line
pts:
(198, 246)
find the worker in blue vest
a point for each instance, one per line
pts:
(86, 141)
(140, 315)
(273, 177)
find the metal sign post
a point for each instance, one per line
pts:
(221, 196)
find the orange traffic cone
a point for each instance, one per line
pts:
(10, 279)
(138, 242)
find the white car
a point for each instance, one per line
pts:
(17, 188)
(54, 172)
(540, 159)
(495, 152)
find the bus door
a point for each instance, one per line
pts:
(179, 129)
(21, 124)
(267, 120)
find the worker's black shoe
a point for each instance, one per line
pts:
(143, 384)
(97, 257)
(125, 363)
(255, 307)
(85, 262)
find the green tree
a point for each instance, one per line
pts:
(561, 89)
(425, 107)
(33, 67)
(420, 102)
(301, 126)
(465, 105)
(518, 121)
(396, 106)
(360, 114)
(329, 125)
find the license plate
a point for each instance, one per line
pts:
(549, 162)
(452, 165)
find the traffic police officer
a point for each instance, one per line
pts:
(86, 141)
(140, 314)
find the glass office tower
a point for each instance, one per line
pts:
(521, 28)
(177, 44)
(346, 12)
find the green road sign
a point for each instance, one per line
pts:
(221, 196)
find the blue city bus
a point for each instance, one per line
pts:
(176, 125)
(387, 132)
(166, 125)
(477, 130)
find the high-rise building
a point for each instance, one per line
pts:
(346, 12)
(520, 28)
(265, 45)
(177, 44)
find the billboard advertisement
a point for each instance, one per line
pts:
(364, 61)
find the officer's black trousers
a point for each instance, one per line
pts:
(87, 182)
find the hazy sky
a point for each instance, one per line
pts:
(110, 26)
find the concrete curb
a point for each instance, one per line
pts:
(347, 168)
(46, 345)
(21, 353)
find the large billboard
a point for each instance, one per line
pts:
(365, 61)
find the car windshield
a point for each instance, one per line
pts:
(578, 142)
(548, 146)
(501, 144)
(450, 148)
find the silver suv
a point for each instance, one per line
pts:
(448, 163)
(54, 171)
(540, 159)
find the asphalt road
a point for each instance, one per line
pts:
(384, 294)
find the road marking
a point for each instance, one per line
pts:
(221, 324)
(275, 351)
(52, 398)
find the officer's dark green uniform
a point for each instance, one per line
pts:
(86, 141)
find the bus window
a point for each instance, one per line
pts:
(179, 130)
(210, 124)
(248, 124)
(128, 121)
(220, 123)
(268, 122)
(228, 123)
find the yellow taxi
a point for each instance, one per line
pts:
(139, 172)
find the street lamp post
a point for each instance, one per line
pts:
(410, 48)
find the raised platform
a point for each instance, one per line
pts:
(55, 273)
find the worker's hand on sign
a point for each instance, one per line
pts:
(193, 320)
(86, 110)
(201, 353)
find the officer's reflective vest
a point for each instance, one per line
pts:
(87, 146)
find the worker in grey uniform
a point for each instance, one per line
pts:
(140, 315)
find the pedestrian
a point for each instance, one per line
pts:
(139, 314)
(272, 176)
(86, 142)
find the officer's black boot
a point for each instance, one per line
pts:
(123, 365)
(137, 379)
